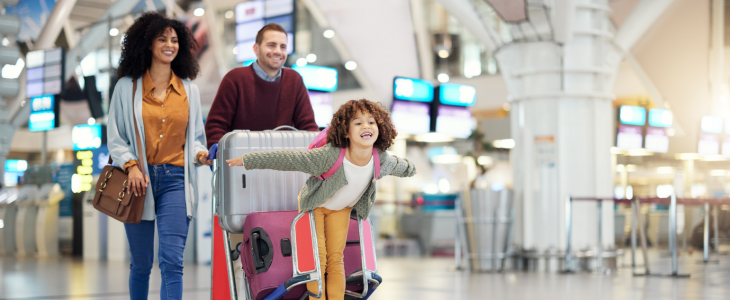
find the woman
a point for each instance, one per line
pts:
(155, 96)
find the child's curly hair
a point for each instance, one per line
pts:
(337, 133)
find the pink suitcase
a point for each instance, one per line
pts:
(277, 243)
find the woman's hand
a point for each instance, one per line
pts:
(203, 159)
(236, 162)
(137, 181)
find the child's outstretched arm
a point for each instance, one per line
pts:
(310, 161)
(399, 167)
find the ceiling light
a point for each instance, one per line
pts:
(670, 132)
(402, 136)
(713, 158)
(665, 170)
(6, 41)
(229, 14)
(351, 65)
(639, 152)
(91, 121)
(616, 150)
(620, 168)
(311, 57)
(113, 32)
(485, 160)
(301, 62)
(446, 159)
(718, 173)
(506, 106)
(687, 156)
(443, 53)
(444, 185)
(433, 137)
(199, 12)
(235, 50)
(329, 33)
(443, 77)
(504, 144)
(630, 168)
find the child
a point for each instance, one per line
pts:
(358, 126)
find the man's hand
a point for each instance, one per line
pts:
(236, 162)
(137, 182)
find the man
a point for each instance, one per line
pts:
(261, 96)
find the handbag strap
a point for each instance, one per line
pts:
(136, 129)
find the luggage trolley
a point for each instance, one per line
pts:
(238, 192)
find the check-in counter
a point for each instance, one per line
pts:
(46, 229)
(8, 215)
(25, 222)
(94, 229)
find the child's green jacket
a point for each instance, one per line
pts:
(318, 161)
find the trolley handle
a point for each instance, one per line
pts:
(285, 127)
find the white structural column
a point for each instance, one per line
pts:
(562, 122)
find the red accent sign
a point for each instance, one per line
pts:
(305, 246)
(220, 287)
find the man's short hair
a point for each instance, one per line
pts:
(270, 26)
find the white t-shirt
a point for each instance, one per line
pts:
(358, 179)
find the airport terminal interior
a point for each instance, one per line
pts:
(556, 149)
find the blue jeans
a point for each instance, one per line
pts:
(167, 185)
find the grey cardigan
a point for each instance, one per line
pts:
(122, 142)
(318, 161)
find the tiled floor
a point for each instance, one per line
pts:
(405, 278)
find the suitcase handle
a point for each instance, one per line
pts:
(258, 261)
(285, 127)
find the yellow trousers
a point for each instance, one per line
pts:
(332, 228)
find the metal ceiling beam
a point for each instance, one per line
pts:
(468, 16)
(96, 35)
(337, 43)
(645, 13)
(54, 24)
(423, 39)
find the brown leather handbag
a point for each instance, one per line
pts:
(113, 195)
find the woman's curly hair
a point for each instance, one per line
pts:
(137, 56)
(337, 133)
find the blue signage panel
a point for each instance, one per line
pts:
(63, 178)
(711, 124)
(42, 113)
(412, 89)
(86, 137)
(632, 115)
(660, 117)
(457, 94)
(318, 78)
(16, 165)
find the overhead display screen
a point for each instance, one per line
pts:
(411, 89)
(43, 110)
(711, 124)
(411, 117)
(709, 144)
(454, 121)
(252, 15)
(629, 137)
(322, 106)
(660, 117)
(318, 78)
(632, 115)
(656, 140)
(457, 94)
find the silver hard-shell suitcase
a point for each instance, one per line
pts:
(240, 191)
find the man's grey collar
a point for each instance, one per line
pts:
(262, 74)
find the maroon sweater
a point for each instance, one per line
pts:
(245, 101)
